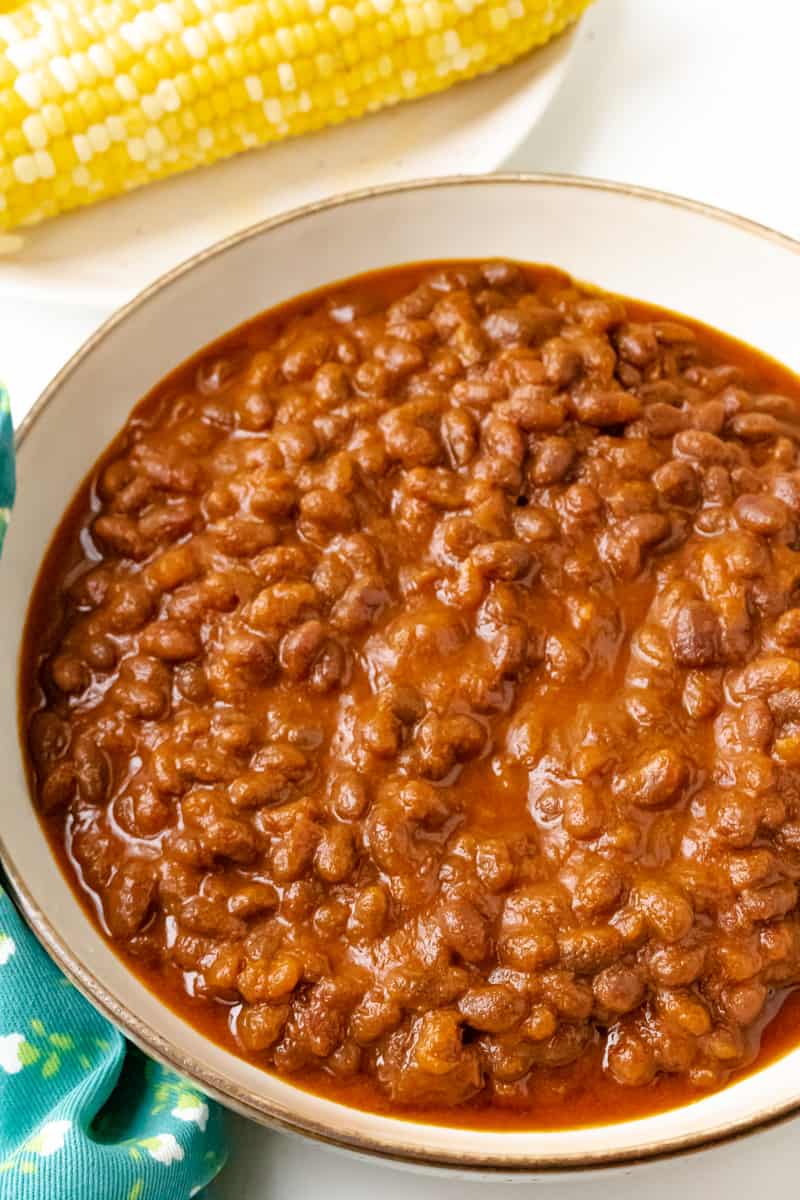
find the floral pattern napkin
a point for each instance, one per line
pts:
(84, 1115)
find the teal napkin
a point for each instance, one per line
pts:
(7, 474)
(84, 1115)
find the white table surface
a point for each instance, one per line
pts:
(697, 97)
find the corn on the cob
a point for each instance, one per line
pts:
(100, 96)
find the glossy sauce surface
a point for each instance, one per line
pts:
(413, 690)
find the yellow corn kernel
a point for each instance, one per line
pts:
(130, 91)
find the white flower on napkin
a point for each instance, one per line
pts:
(191, 1108)
(10, 1058)
(49, 1139)
(163, 1148)
(7, 948)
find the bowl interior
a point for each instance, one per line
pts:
(726, 273)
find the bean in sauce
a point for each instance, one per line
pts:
(414, 692)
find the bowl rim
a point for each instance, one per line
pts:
(139, 1031)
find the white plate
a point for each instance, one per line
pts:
(104, 254)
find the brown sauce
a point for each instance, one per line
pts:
(410, 693)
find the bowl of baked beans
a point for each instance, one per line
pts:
(402, 705)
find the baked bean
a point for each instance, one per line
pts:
(677, 483)
(744, 1003)
(709, 416)
(452, 311)
(143, 688)
(70, 674)
(460, 435)
(224, 838)
(694, 635)
(296, 443)
(210, 917)
(122, 535)
(418, 685)
(676, 966)
(663, 421)
(335, 856)
(589, 950)
(260, 1025)
(584, 814)
(92, 770)
(494, 865)
(241, 538)
(398, 357)
(552, 460)
(163, 522)
(530, 949)
(370, 911)
(518, 327)
(250, 656)
(571, 998)
(278, 766)
(360, 605)
(306, 353)
(128, 898)
(637, 344)
(647, 528)
(172, 568)
(501, 274)
(754, 426)
(606, 408)
(438, 1043)
(541, 1024)
(699, 446)
(493, 1009)
(270, 981)
(684, 1011)
(301, 647)
(535, 409)
(656, 781)
(597, 890)
(630, 1060)
(170, 640)
(619, 988)
(282, 603)
(469, 345)
(59, 787)
(409, 434)
(501, 560)
(166, 467)
(666, 910)
(464, 929)
(435, 486)
(328, 509)
(762, 904)
(128, 607)
(739, 960)
(760, 514)
(562, 363)
(600, 313)
(534, 525)
(766, 675)
(598, 357)
(673, 333)
(441, 742)
(787, 488)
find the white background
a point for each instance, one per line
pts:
(697, 97)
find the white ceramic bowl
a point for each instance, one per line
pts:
(728, 272)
